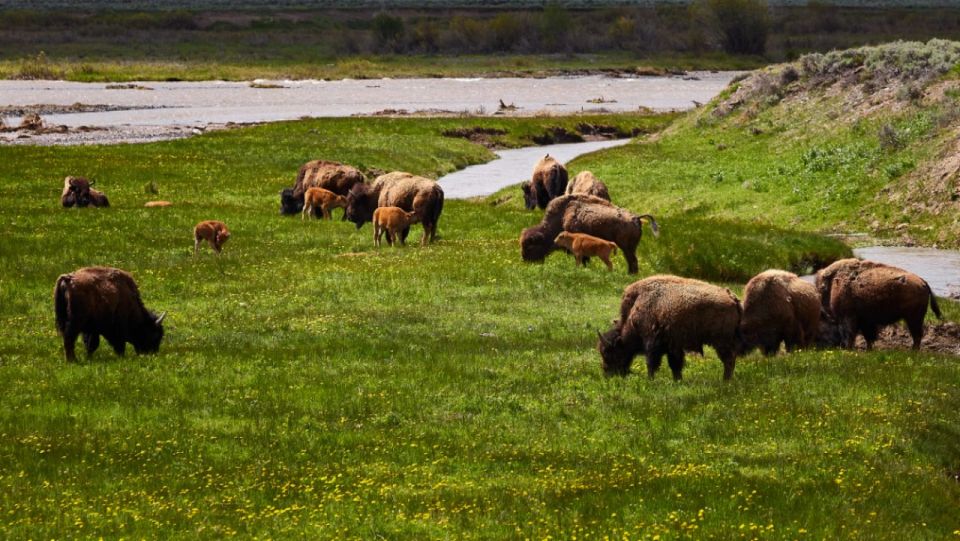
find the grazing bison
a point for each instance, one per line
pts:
(586, 183)
(778, 306)
(549, 180)
(862, 296)
(392, 221)
(586, 214)
(584, 246)
(212, 231)
(95, 301)
(78, 192)
(333, 176)
(672, 315)
(398, 189)
(323, 199)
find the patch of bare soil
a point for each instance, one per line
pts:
(938, 338)
(53, 109)
(487, 137)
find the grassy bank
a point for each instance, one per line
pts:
(310, 385)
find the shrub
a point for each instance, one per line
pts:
(387, 29)
(37, 67)
(555, 23)
(743, 24)
(505, 32)
(890, 138)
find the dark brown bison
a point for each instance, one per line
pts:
(333, 176)
(586, 214)
(78, 192)
(95, 301)
(778, 306)
(672, 315)
(586, 183)
(861, 296)
(398, 189)
(549, 180)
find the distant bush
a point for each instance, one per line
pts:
(37, 67)
(387, 29)
(555, 24)
(890, 138)
(505, 32)
(743, 24)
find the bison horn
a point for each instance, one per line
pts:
(92, 182)
(160, 317)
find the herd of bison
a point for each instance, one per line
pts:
(659, 315)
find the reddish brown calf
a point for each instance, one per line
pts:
(324, 199)
(392, 221)
(583, 246)
(212, 231)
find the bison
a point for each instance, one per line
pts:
(586, 183)
(778, 306)
(333, 176)
(398, 189)
(672, 315)
(324, 199)
(586, 214)
(95, 301)
(861, 296)
(549, 180)
(212, 231)
(78, 192)
(584, 246)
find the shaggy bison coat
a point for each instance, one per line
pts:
(778, 306)
(212, 231)
(586, 183)
(398, 189)
(862, 296)
(78, 192)
(549, 180)
(103, 301)
(585, 214)
(333, 176)
(584, 246)
(669, 315)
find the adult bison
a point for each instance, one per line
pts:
(778, 306)
(96, 301)
(333, 176)
(668, 315)
(549, 180)
(586, 214)
(586, 183)
(861, 296)
(398, 189)
(79, 192)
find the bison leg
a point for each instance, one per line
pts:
(92, 342)
(118, 344)
(306, 210)
(848, 333)
(771, 348)
(632, 266)
(578, 261)
(196, 245)
(606, 259)
(729, 360)
(675, 360)
(870, 333)
(403, 235)
(915, 326)
(69, 343)
(653, 363)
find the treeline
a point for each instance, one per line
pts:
(734, 26)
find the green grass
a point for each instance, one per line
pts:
(313, 386)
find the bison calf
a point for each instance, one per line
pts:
(323, 199)
(392, 220)
(212, 231)
(672, 315)
(778, 306)
(583, 246)
(96, 301)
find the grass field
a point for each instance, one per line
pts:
(313, 386)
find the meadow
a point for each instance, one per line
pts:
(312, 386)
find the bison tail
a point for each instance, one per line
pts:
(933, 301)
(653, 224)
(437, 209)
(61, 302)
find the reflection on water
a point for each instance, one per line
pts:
(513, 167)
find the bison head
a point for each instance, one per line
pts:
(615, 356)
(147, 339)
(360, 205)
(290, 204)
(534, 244)
(79, 191)
(529, 195)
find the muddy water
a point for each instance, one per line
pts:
(940, 268)
(202, 103)
(512, 167)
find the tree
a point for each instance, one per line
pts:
(743, 24)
